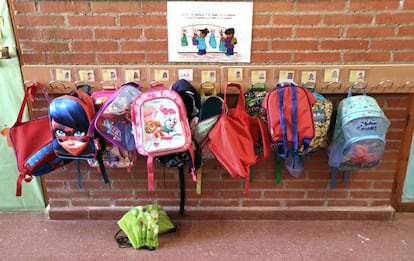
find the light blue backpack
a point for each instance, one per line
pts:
(359, 135)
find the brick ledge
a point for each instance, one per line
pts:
(208, 213)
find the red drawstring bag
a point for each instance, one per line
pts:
(234, 137)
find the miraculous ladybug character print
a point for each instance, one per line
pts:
(201, 41)
(70, 126)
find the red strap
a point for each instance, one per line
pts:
(30, 91)
(22, 177)
(150, 174)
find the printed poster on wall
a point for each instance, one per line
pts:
(209, 31)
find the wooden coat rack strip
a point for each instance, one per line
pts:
(396, 78)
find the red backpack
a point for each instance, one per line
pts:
(290, 122)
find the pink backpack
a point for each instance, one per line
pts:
(160, 126)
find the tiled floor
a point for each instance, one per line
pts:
(30, 236)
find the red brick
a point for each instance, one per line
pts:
(347, 203)
(261, 203)
(394, 18)
(23, 7)
(143, 20)
(87, 46)
(67, 34)
(91, 20)
(297, 19)
(367, 57)
(261, 45)
(406, 31)
(106, 58)
(316, 57)
(117, 34)
(259, 19)
(157, 57)
(294, 45)
(369, 5)
(344, 44)
(144, 45)
(404, 56)
(63, 6)
(324, 5)
(270, 57)
(155, 33)
(318, 32)
(273, 6)
(154, 6)
(40, 20)
(35, 58)
(60, 58)
(44, 46)
(115, 7)
(370, 32)
(273, 32)
(303, 203)
(348, 19)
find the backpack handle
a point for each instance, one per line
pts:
(208, 86)
(86, 87)
(358, 86)
(133, 83)
(29, 93)
(108, 85)
(309, 85)
(240, 101)
(157, 85)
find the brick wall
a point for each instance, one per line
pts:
(284, 32)
(125, 32)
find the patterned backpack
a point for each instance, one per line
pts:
(161, 126)
(113, 123)
(359, 135)
(71, 116)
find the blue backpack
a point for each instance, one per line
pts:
(359, 135)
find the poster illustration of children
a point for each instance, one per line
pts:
(201, 31)
(201, 41)
(229, 41)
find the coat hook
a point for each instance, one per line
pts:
(384, 84)
(57, 84)
(337, 85)
(408, 84)
(359, 85)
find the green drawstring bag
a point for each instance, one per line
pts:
(142, 225)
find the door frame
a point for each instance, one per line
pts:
(404, 155)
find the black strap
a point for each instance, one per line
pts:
(182, 188)
(79, 174)
(102, 166)
(122, 241)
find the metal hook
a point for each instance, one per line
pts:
(359, 85)
(57, 84)
(408, 84)
(337, 85)
(384, 84)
